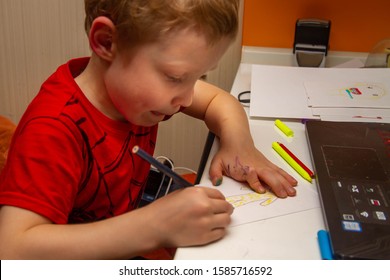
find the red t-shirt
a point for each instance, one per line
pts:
(68, 161)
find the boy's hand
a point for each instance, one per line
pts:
(251, 166)
(191, 216)
(237, 157)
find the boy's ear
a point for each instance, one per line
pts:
(101, 38)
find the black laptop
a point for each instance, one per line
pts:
(352, 166)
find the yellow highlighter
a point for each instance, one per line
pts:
(284, 128)
(291, 161)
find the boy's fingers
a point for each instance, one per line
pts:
(222, 207)
(216, 234)
(215, 172)
(218, 201)
(254, 182)
(213, 193)
(221, 221)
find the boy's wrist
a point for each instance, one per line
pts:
(239, 136)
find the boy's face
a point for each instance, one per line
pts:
(159, 78)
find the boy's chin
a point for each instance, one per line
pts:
(147, 122)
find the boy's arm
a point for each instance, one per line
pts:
(237, 157)
(191, 216)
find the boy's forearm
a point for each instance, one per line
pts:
(221, 111)
(229, 122)
(121, 237)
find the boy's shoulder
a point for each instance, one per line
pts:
(59, 99)
(58, 91)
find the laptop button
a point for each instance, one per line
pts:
(354, 188)
(380, 215)
(364, 214)
(348, 217)
(374, 202)
(372, 189)
(357, 201)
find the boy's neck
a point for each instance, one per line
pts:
(91, 83)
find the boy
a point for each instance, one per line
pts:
(71, 184)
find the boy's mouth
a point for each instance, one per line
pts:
(158, 114)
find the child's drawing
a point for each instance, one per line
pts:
(363, 90)
(347, 94)
(250, 206)
(264, 199)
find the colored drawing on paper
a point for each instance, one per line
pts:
(347, 94)
(250, 206)
(364, 90)
(264, 199)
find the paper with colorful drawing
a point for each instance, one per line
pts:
(352, 94)
(303, 89)
(250, 206)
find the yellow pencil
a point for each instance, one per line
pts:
(291, 161)
(284, 128)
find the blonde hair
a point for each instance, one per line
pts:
(143, 21)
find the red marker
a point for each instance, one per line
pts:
(311, 173)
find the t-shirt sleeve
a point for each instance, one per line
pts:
(44, 169)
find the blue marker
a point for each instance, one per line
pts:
(324, 243)
(180, 181)
(349, 93)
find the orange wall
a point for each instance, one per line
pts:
(356, 25)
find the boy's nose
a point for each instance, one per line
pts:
(184, 99)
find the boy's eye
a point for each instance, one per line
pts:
(175, 79)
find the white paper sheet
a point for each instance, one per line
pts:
(356, 113)
(352, 119)
(281, 91)
(250, 206)
(278, 92)
(367, 93)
